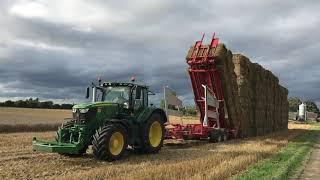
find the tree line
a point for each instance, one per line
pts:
(35, 103)
(294, 103)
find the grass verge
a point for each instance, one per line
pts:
(284, 164)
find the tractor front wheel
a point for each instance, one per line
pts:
(153, 134)
(109, 142)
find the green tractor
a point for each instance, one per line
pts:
(118, 117)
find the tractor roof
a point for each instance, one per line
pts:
(105, 84)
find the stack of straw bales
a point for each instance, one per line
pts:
(229, 82)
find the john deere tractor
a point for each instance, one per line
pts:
(118, 117)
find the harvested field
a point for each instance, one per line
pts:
(32, 120)
(194, 160)
(27, 119)
(32, 116)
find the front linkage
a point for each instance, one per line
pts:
(69, 140)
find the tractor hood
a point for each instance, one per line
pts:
(94, 104)
(106, 109)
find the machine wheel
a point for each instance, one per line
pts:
(215, 136)
(224, 136)
(153, 134)
(109, 142)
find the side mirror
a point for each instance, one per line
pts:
(138, 93)
(88, 92)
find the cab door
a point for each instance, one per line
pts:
(137, 99)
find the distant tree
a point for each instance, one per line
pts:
(32, 103)
(312, 107)
(66, 106)
(46, 104)
(9, 103)
(20, 103)
(56, 106)
(294, 103)
(35, 103)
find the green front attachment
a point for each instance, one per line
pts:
(73, 145)
(57, 147)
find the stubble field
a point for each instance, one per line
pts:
(177, 160)
(28, 119)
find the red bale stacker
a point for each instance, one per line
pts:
(208, 96)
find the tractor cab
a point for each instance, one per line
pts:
(130, 96)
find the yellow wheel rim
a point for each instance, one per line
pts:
(116, 143)
(155, 134)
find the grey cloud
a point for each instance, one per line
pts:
(152, 44)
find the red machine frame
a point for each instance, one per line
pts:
(203, 72)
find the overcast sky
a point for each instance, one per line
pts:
(54, 49)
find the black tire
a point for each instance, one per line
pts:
(224, 136)
(215, 136)
(101, 142)
(147, 145)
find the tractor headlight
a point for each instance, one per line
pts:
(74, 110)
(84, 110)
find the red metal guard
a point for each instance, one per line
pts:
(202, 71)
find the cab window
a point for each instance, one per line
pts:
(116, 94)
(137, 98)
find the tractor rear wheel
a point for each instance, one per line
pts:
(153, 134)
(109, 142)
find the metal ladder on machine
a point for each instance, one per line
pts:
(206, 83)
(208, 95)
(211, 105)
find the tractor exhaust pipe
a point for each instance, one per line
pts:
(94, 92)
